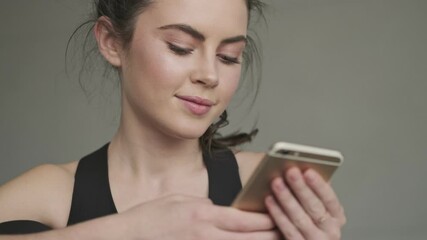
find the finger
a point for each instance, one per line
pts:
(292, 207)
(241, 221)
(326, 194)
(282, 221)
(308, 199)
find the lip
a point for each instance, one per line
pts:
(197, 100)
(196, 105)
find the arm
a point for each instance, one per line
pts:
(110, 227)
(169, 218)
(44, 195)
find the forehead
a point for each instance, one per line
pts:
(225, 17)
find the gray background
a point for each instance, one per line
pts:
(343, 74)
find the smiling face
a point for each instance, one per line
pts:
(183, 65)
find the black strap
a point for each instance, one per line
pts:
(224, 177)
(22, 227)
(92, 195)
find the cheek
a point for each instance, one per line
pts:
(160, 70)
(154, 67)
(230, 83)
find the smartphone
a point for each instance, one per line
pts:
(281, 156)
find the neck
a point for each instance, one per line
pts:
(146, 152)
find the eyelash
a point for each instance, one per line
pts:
(179, 50)
(228, 60)
(187, 51)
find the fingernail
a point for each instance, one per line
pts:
(278, 184)
(269, 199)
(309, 175)
(293, 174)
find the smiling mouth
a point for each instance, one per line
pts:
(196, 105)
(197, 100)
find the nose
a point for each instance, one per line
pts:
(206, 73)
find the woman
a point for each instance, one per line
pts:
(179, 63)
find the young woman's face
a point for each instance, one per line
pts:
(183, 64)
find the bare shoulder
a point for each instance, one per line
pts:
(247, 162)
(41, 194)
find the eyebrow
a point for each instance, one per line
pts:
(199, 36)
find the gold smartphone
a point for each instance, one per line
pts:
(280, 157)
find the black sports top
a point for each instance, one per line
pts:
(92, 195)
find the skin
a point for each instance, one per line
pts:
(157, 177)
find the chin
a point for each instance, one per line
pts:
(191, 134)
(190, 131)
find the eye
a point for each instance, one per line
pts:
(228, 60)
(179, 50)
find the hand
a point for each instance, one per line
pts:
(183, 217)
(305, 207)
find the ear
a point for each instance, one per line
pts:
(108, 44)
